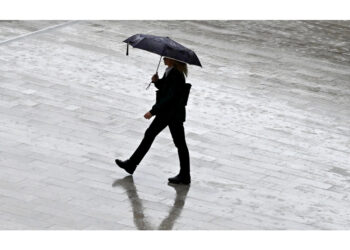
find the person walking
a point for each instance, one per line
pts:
(169, 110)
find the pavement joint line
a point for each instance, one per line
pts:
(53, 27)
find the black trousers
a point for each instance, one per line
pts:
(178, 134)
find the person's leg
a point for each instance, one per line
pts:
(153, 130)
(178, 133)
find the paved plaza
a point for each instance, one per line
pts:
(267, 127)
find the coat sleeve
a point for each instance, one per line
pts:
(158, 83)
(172, 93)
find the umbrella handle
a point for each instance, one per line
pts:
(148, 85)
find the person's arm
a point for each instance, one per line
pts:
(157, 82)
(175, 79)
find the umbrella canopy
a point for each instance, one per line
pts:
(163, 46)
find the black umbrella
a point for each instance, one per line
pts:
(163, 46)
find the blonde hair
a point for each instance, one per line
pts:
(180, 66)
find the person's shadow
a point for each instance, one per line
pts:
(138, 211)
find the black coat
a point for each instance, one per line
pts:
(171, 96)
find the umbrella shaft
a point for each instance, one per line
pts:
(156, 72)
(158, 64)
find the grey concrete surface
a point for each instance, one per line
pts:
(268, 127)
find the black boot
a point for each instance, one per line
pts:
(180, 180)
(126, 165)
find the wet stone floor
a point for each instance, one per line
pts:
(267, 127)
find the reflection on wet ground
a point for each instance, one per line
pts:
(127, 183)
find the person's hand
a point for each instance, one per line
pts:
(155, 77)
(148, 115)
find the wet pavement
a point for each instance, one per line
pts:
(267, 129)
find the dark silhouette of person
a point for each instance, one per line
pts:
(138, 210)
(169, 110)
